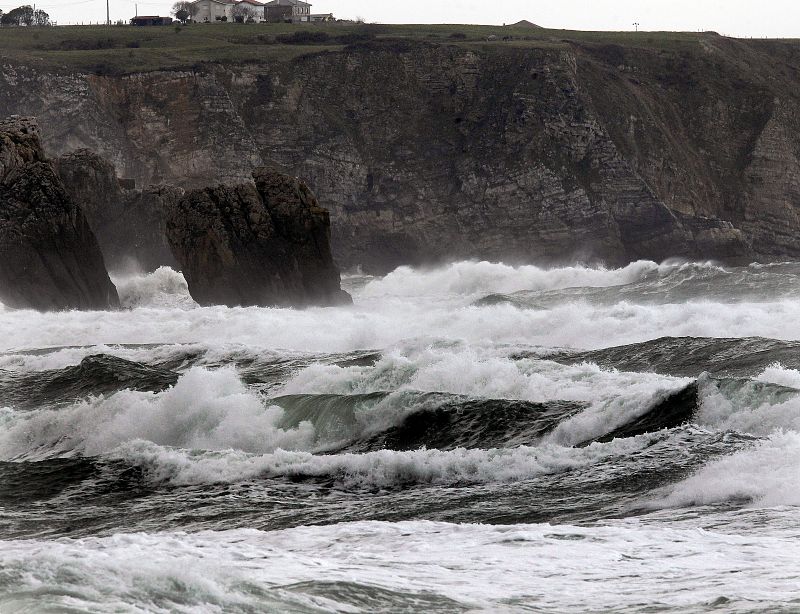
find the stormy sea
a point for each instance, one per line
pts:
(474, 437)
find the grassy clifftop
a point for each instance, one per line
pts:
(127, 49)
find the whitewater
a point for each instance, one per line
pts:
(471, 437)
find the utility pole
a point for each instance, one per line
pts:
(108, 14)
(636, 25)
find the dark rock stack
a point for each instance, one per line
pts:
(130, 225)
(49, 257)
(265, 243)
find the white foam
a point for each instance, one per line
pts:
(200, 354)
(383, 316)
(745, 408)
(211, 410)
(382, 469)
(162, 289)
(480, 278)
(58, 358)
(214, 410)
(766, 475)
(416, 566)
(778, 374)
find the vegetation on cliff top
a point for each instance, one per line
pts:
(127, 49)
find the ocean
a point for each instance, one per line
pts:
(473, 437)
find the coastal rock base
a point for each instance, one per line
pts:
(265, 243)
(49, 257)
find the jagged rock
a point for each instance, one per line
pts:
(130, 225)
(254, 244)
(265, 243)
(49, 257)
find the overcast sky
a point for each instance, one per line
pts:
(774, 18)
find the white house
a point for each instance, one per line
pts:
(213, 10)
(288, 10)
(216, 10)
(256, 9)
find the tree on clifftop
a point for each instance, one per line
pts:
(184, 11)
(24, 16)
(40, 18)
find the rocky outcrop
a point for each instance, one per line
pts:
(130, 225)
(49, 258)
(573, 149)
(265, 243)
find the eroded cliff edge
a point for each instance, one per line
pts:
(430, 152)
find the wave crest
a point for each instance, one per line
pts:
(471, 278)
(161, 289)
(765, 475)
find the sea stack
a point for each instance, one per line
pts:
(49, 257)
(129, 224)
(262, 243)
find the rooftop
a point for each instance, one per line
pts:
(288, 3)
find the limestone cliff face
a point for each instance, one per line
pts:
(265, 243)
(424, 153)
(49, 258)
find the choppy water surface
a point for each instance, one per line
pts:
(474, 437)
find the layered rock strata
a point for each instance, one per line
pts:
(569, 148)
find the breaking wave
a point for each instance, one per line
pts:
(765, 475)
(161, 289)
(655, 406)
(379, 469)
(395, 421)
(414, 305)
(468, 279)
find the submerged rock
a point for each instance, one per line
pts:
(49, 257)
(265, 243)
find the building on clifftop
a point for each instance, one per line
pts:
(321, 17)
(285, 11)
(209, 11)
(213, 10)
(151, 20)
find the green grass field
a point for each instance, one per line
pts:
(128, 49)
